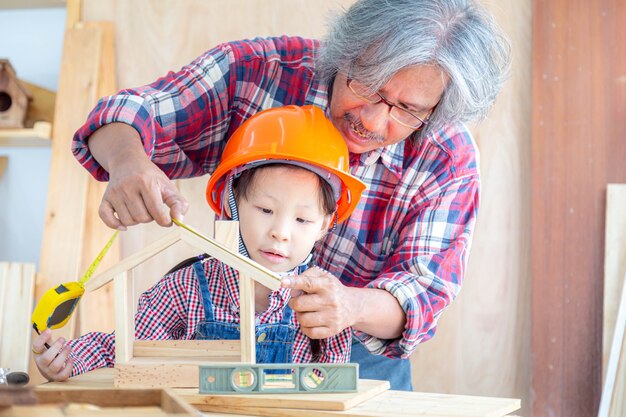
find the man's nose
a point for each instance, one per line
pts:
(374, 117)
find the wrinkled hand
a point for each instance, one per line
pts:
(55, 363)
(139, 192)
(324, 305)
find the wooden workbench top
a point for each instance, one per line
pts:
(380, 403)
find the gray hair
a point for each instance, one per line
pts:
(377, 38)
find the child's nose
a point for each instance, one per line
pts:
(280, 230)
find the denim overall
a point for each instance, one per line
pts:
(274, 342)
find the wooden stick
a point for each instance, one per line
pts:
(608, 392)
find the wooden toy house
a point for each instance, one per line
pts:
(174, 363)
(14, 97)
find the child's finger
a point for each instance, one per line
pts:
(39, 343)
(66, 372)
(58, 362)
(48, 356)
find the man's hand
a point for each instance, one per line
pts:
(138, 191)
(324, 305)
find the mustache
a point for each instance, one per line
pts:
(357, 122)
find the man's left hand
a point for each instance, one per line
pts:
(324, 305)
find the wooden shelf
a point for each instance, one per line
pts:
(37, 136)
(30, 4)
(3, 164)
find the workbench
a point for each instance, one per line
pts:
(378, 402)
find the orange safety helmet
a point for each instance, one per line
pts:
(301, 136)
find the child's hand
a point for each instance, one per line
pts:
(55, 363)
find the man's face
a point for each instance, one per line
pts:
(368, 126)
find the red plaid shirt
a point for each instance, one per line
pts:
(172, 310)
(410, 234)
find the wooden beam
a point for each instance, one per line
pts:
(134, 260)
(63, 254)
(4, 161)
(578, 130)
(246, 265)
(187, 348)
(612, 402)
(227, 233)
(124, 317)
(17, 284)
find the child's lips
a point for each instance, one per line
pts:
(273, 256)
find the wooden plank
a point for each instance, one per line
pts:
(613, 393)
(367, 389)
(578, 146)
(614, 262)
(4, 161)
(62, 241)
(160, 372)
(74, 13)
(393, 404)
(124, 318)
(17, 283)
(41, 108)
(133, 260)
(95, 315)
(187, 348)
(227, 233)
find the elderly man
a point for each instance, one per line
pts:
(398, 78)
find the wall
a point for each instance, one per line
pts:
(23, 187)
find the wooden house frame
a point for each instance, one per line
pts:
(174, 363)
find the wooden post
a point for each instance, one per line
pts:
(17, 283)
(227, 233)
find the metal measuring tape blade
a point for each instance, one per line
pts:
(282, 378)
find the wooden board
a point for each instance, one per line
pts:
(613, 392)
(367, 389)
(394, 404)
(104, 402)
(386, 404)
(614, 266)
(17, 284)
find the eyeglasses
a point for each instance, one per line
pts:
(403, 116)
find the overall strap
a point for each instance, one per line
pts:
(205, 294)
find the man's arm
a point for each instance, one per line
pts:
(138, 191)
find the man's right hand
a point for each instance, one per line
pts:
(138, 191)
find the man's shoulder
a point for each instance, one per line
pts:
(284, 48)
(452, 149)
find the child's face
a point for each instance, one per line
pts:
(282, 217)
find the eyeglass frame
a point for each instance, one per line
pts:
(391, 105)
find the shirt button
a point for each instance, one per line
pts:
(261, 337)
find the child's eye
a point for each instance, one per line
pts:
(303, 221)
(265, 210)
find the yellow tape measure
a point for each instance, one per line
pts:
(56, 306)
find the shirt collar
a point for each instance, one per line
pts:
(390, 156)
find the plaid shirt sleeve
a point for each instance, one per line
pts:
(425, 272)
(184, 117)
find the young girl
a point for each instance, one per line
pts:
(284, 176)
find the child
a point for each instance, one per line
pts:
(284, 176)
